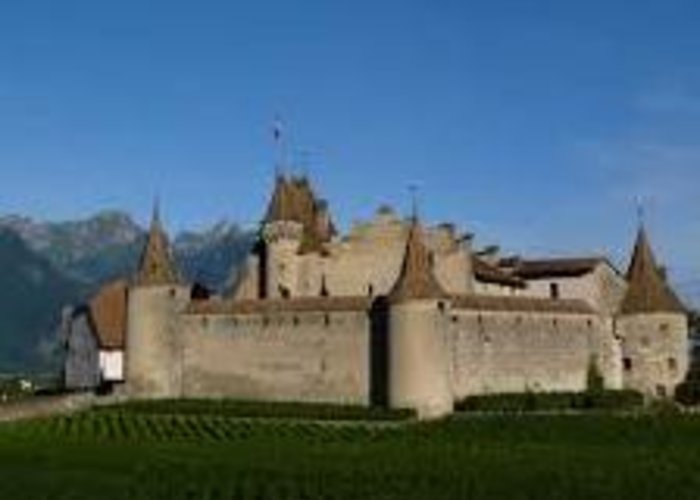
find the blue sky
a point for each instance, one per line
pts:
(534, 124)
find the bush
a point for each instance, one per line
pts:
(552, 401)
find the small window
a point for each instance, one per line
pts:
(295, 320)
(664, 327)
(326, 319)
(554, 291)
(455, 319)
(672, 364)
(627, 364)
(370, 290)
(661, 391)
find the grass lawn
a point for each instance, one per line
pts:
(129, 453)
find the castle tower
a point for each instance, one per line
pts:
(281, 239)
(153, 350)
(653, 325)
(418, 351)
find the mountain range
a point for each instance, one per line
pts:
(50, 265)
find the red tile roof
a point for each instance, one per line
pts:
(108, 312)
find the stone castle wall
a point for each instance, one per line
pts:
(603, 289)
(494, 352)
(314, 356)
(366, 262)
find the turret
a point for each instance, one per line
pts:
(153, 343)
(281, 237)
(418, 351)
(296, 223)
(653, 326)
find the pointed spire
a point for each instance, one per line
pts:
(647, 290)
(280, 207)
(416, 280)
(156, 266)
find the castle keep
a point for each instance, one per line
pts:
(397, 314)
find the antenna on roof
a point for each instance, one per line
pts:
(641, 215)
(413, 189)
(304, 161)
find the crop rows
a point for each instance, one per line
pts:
(123, 427)
(117, 454)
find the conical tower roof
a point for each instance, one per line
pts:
(156, 266)
(647, 290)
(281, 205)
(416, 280)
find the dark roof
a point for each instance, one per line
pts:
(156, 266)
(299, 304)
(647, 289)
(293, 199)
(488, 273)
(108, 313)
(521, 304)
(416, 279)
(552, 268)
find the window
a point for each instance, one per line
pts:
(672, 364)
(554, 291)
(627, 364)
(661, 391)
(664, 327)
(326, 319)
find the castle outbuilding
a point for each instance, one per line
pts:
(396, 313)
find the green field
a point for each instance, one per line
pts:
(132, 452)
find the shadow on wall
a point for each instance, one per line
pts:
(379, 353)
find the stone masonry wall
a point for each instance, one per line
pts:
(513, 352)
(314, 356)
(655, 351)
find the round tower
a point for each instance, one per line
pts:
(282, 241)
(153, 354)
(419, 374)
(653, 327)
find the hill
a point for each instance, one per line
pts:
(53, 264)
(32, 295)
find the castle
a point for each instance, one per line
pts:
(393, 313)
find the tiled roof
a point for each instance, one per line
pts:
(156, 266)
(520, 304)
(647, 289)
(552, 268)
(294, 200)
(488, 273)
(108, 312)
(299, 304)
(416, 279)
